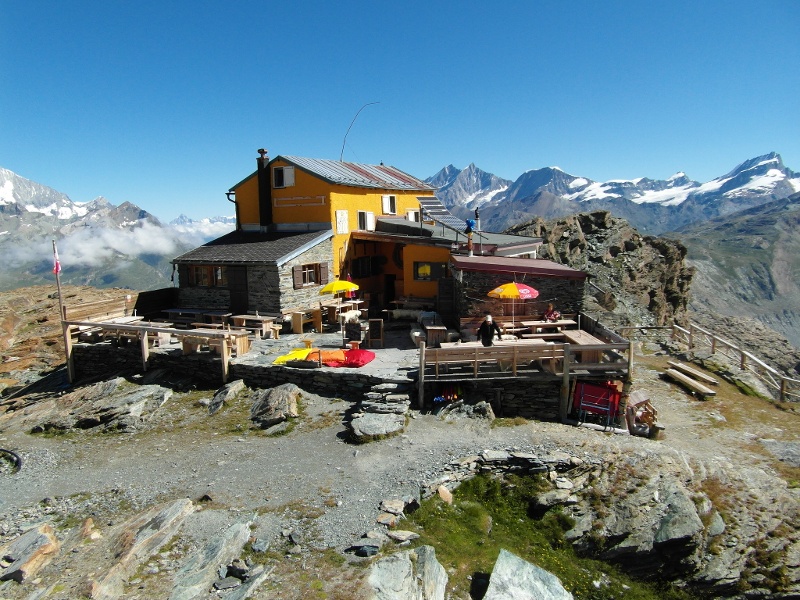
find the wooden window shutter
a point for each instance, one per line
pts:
(370, 221)
(385, 205)
(323, 273)
(297, 276)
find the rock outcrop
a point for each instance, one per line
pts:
(516, 579)
(412, 574)
(275, 405)
(642, 279)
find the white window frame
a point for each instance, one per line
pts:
(413, 215)
(288, 177)
(389, 204)
(366, 220)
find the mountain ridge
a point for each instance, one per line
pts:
(652, 206)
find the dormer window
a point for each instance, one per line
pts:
(282, 177)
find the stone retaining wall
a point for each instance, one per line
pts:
(526, 398)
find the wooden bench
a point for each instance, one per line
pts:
(692, 384)
(100, 310)
(694, 373)
(543, 336)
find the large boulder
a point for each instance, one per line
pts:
(275, 405)
(109, 404)
(515, 579)
(136, 541)
(24, 556)
(411, 575)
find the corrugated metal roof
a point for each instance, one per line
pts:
(531, 266)
(358, 175)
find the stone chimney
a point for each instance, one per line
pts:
(264, 189)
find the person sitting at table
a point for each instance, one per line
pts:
(487, 329)
(551, 314)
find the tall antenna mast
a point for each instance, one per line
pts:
(341, 154)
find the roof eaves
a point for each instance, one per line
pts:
(324, 235)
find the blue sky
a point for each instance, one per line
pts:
(164, 104)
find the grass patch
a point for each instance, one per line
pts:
(489, 514)
(509, 422)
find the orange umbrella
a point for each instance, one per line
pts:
(514, 291)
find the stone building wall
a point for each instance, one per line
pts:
(526, 398)
(307, 297)
(472, 287)
(205, 297)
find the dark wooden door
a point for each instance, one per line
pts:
(237, 285)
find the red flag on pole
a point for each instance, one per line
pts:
(56, 262)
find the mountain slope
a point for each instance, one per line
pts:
(99, 244)
(747, 264)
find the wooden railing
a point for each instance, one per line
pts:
(784, 388)
(518, 359)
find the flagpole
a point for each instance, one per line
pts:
(63, 315)
(57, 271)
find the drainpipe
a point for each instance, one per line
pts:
(231, 196)
(264, 189)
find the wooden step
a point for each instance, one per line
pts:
(699, 375)
(692, 384)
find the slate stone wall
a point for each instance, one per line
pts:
(204, 297)
(471, 288)
(526, 398)
(307, 297)
(270, 288)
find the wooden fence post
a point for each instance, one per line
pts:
(564, 404)
(421, 378)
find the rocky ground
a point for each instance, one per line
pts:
(308, 494)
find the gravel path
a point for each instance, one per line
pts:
(312, 481)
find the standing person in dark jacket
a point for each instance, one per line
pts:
(487, 329)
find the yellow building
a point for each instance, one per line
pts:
(301, 222)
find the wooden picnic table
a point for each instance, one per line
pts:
(185, 316)
(559, 324)
(584, 338)
(193, 339)
(261, 324)
(217, 316)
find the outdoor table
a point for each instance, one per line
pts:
(258, 321)
(184, 315)
(560, 324)
(217, 316)
(580, 337)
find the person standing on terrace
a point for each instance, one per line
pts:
(487, 330)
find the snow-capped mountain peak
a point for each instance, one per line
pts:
(551, 192)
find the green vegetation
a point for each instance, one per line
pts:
(509, 422)
(489, 514)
